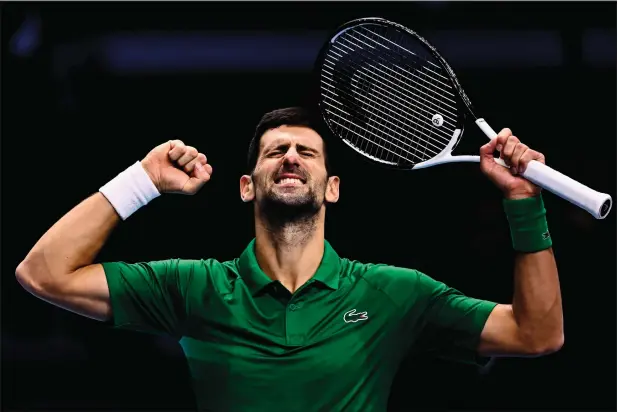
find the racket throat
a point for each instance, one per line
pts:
(445, 155)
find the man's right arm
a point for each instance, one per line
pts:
(59, 267)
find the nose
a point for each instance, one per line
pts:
(291, 158)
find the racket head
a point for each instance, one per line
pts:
(387, 93)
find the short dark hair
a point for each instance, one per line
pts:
(289, 116)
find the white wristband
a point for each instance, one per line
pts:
(130, 190)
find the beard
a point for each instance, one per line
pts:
(298, 207)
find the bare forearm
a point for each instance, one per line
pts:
(532, 323)
(72, 242)
(537, 302)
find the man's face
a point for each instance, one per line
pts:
(290, 174)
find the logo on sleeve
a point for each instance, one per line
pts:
(352, 317)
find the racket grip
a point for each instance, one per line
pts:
(596, 203)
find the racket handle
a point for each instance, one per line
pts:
(596, 203)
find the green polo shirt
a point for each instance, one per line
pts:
(333, 345)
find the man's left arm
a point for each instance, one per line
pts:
(532, 324)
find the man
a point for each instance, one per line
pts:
(289, 325)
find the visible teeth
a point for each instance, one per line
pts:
(289, 180)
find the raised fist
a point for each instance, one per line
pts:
(174, 167)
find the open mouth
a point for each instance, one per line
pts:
(289, 180)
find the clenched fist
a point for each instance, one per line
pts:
(174, 167)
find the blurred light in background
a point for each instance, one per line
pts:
(162, 53)
(251, 51)
(599, 48)
(499, 48)
(27, 38)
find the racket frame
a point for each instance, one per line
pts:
(596, 203)
(464, 104)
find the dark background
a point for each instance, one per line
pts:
(88, 89)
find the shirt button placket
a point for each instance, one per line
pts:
(294, 325)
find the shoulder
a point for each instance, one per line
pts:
(169, 266)
(401, 285)
(175, 270)
(207, 271)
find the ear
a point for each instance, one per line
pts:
(247, 193)
(332, 189)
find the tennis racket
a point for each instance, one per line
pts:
(388, 94)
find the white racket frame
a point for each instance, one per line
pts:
(596, 203)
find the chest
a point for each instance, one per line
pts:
(338, 330)
(315, 349)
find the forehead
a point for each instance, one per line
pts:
(299, 135)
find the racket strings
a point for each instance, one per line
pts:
(399, 83)
(334, 98)
(420, 64)
(379, 130)
(392, 86)
(390, 97)
(418, 60)
(404, 143)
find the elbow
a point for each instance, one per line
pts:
(32, 278)
(556, 344)
(24, 276)
(547, 346)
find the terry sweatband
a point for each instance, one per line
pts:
(130, 190)
(529, 231)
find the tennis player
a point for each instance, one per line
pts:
(289, 325)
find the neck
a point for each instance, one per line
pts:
(291, 252)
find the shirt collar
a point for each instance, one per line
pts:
(257, 280)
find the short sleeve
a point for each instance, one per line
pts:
(435, 320)
(452, 322)
(149, 296)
